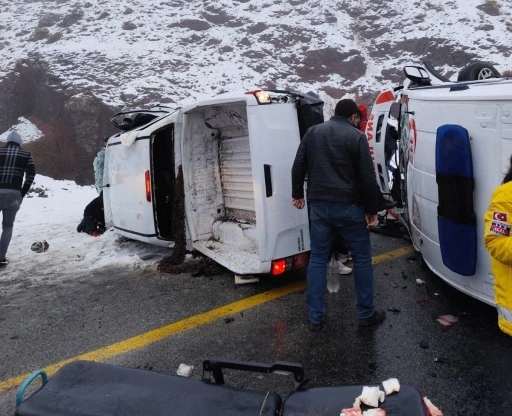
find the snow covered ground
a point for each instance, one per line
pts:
(28, 130)
(70, 254)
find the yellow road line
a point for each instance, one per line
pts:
(167, 331)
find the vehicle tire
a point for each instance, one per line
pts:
(478, 71)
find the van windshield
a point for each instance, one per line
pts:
(404, 152)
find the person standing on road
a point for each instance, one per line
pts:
(99, 165)
(341, 189)
(498, 241)
(16, 164)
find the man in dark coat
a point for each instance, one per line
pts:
(341, 192)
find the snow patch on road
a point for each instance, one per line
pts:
(70, 254)
(28, 131)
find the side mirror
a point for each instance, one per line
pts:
(417, 74)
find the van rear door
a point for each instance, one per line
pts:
(282, 230)
(141, 182)
(376, 132)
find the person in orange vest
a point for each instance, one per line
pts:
(498, 242)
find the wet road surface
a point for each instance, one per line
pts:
(42, 325)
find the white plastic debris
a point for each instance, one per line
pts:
(351, 412)
(245, 280)
(371, 396)
(375, 412)
(420, 282)
(391, 386)
(432, 410)
(185, 370)
(128, 138)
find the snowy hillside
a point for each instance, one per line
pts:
(169, 51)
(28, 130)
(54, 218)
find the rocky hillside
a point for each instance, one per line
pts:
(66, 66)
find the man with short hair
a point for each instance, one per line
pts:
(15, 165)
(341, 192)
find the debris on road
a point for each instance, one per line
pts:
(185, 370)
(391, 386)
(371, 396)
(375, 412)
(394, 284)
(432, 410)
(372, 365)
(351, 412)
(441, 360)
(245, 280)
(394, 310)
(422, 301)
(229, 320)
(447, 321)
(424, 344)
(40, 247)
(420, 282)
(146, 367)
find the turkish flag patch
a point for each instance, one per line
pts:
(500, 216)
(500, 228)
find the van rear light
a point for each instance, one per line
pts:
(262, 97)
(148, 186)
(278, 267)
(301, 260)
(290, 263)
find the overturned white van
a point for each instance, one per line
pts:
(236, 153)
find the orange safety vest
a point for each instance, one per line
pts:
(498, 241)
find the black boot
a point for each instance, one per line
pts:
(81, 226)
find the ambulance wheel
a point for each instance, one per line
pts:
(478, 71)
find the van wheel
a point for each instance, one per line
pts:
(478, 71)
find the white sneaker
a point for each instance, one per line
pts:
(343, 258)
(344, 269)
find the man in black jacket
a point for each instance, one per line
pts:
(341, 192)
(93, 222)
(16, 164)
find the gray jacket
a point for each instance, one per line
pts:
(336, 158)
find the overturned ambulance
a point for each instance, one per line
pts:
(455, 142)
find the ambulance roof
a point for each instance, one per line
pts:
(499, 89)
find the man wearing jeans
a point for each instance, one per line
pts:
(341, 192)
(15, 164)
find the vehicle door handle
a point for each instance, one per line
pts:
(268, 180)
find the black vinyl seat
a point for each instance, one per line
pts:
(329, 401)
(84, 388)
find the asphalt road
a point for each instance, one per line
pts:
(44, 324)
